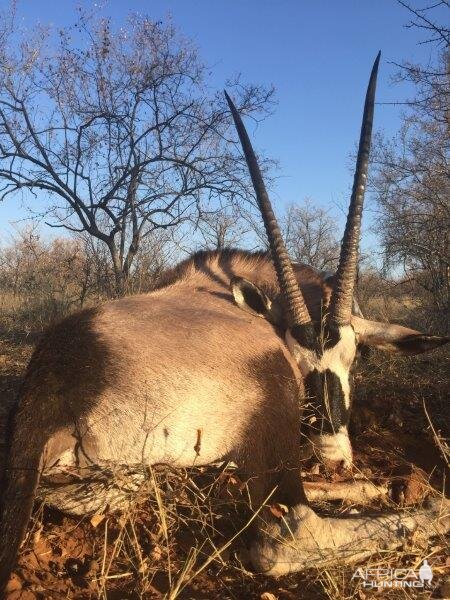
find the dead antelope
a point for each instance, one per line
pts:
(183, 375)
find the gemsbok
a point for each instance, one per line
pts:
(217, 364)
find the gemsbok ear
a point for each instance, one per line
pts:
(395, 338)
(250, 298)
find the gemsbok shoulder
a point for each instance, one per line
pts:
(232, 345)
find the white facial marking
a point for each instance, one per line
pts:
(337, 359)
(306, 359)
(334, 447)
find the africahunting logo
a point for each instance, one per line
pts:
(379, 577)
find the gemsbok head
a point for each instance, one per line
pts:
(325, 348)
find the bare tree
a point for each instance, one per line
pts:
(156, 252)
(309, 232)
(119, 131)
(411, 178)
(222, 230)
(423, 18)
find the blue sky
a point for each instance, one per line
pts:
(318, 56)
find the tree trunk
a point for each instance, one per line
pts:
(121, 278)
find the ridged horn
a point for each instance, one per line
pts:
(342, 297)
(297, 312)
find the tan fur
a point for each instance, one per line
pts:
(133, 380)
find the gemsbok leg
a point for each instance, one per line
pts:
(302, 539)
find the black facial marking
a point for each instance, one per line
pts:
(312, 423)
(331, 335)
(306, 336)
(328, 420)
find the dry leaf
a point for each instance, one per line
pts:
(96, 520)
(14, 584)
(278, 510)
(156, 553)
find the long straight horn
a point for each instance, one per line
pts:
(341, 301)
(297, 312)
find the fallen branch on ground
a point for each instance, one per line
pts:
(349, 492)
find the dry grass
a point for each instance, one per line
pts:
(180, 542)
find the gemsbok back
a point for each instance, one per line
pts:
(216, 364)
